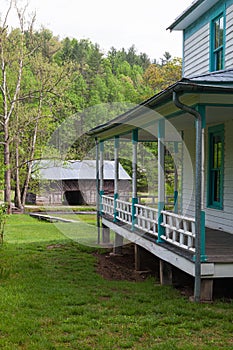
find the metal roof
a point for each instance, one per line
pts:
(191, 14)
(76, 170)
(217, 77)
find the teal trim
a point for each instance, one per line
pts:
(116, 196)
(183, 48)
(134, 219)
(161, 229)
(182, 171)
(175, 201)
(101, 202)
(101, 146)
(221, 48)
(202, 110)
(203, 238)
(116, 145)
(135, 136)
(213, 182)
(206, 17)
(161, 128)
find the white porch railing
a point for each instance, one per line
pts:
(124, 211)
(147, 219)
(179, 230)
(108, 205)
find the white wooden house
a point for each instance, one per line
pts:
(197, 113)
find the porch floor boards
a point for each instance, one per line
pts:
(219, 246)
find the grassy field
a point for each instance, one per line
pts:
(52, 298)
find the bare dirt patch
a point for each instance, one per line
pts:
(119, 267)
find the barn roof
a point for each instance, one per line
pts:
(76, 170)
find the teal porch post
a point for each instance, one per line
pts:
(97, 191)
(202, 110)
(134, 176)
(161, 178)
(203, 252)
(175, 178)
(116, 175)
(101, 172)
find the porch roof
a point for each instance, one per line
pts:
(215, 87)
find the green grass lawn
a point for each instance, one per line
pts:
(52, 298)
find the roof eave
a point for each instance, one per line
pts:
(191, 14)
(183, 86)
(184, 14)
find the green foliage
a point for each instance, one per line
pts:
(60, 78)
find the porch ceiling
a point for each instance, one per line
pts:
(146, 116)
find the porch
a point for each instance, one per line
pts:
(189, 128)
(179, 231)
(175, 247)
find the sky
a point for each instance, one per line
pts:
(118, 24)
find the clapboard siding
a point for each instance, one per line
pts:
(196, 53)
(196, 57)
(229, 38)
(223, 219)
(188, 190)
(216, 219)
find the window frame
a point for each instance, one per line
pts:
(214, 51)
(213, 132)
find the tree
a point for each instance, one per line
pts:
(12, 57)
(160, 76)
(35, 116)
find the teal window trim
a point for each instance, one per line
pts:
(215, 169)
(217, 42)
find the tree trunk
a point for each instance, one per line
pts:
(32, 153)
(18, 202)
(7, 171)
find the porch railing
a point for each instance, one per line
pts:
(147, 219)
(108, 205)
(179, 230)
(124, 211)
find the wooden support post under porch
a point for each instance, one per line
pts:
(118, 244)
(105, 235)
(145, 261)
(166, 278)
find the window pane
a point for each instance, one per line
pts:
(221, 27)
(216, 185)
(216, 31)
(218, 44)
(216, 167)
(217, 152)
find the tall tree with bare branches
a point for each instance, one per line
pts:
(12, 58)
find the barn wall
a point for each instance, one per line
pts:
(55, 193)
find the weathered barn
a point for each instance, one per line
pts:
(74, 182)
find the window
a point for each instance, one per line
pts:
(216, 155)
(217, 43)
